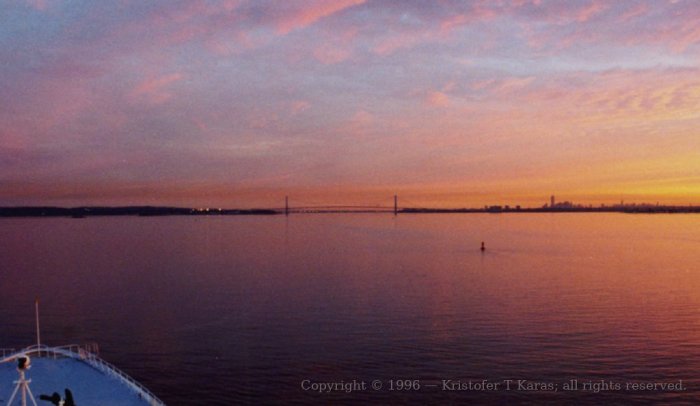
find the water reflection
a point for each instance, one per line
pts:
(239, 306)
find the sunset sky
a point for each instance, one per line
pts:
(446, 103)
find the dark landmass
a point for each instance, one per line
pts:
(79, 212)
(564, 209)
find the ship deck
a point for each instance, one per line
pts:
(91, 380)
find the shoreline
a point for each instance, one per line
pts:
(91, 211)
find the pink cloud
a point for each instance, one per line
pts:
(338, 45)
(200, 123)
(558, 13)
(391, 44)
(299, 106)
(155, 90)
(12, 139)
(328, 54)
(479, 12)
(689, 34)
(454, 21)
(586, 13)
(359, 125)
(62, 103)
(623, 97)
(362, 117)
(311, 12)
(503, 86)
(671, 25)
(634, 12)
(40, 5)
(512, 84)
(230, 27)
(437, 99)
(432, 29)
(261, 119)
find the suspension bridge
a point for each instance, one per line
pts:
(310, 207)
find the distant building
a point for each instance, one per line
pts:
(551, 201)
(564, 205)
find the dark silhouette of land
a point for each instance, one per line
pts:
(578, 209)
(568, 207)
(89, 211)
(79, 212)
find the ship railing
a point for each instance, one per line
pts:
(82, 351)
(88, 354)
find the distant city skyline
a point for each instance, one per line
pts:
(238, 103)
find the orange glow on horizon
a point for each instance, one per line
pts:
(236, 103)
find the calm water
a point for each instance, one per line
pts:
(236, 310)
